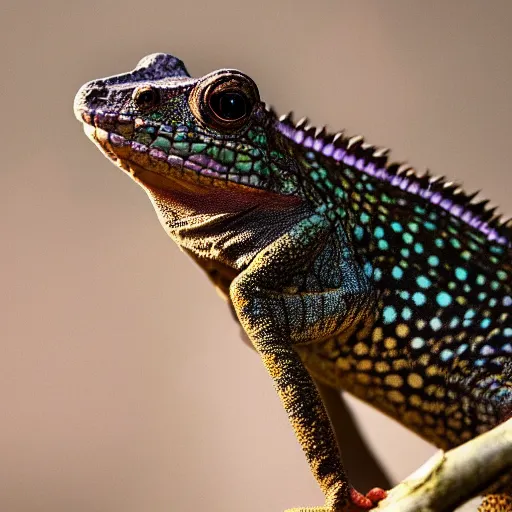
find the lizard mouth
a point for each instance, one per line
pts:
(149, 159)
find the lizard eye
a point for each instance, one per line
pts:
(224, 100)
(146, 97)
(229, 105)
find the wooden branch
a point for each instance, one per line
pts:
(449, 479)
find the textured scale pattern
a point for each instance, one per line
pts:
(394, 286)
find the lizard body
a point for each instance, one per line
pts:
(339, 265)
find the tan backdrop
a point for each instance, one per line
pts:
(124, 386)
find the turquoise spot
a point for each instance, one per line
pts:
(507, 332)
(436, 324)
(405, 252)
(397, 227)
(364, 217)
(496, 249)
(418, 248)
(485, 323)
(439, 243)
(417, 343)
(462, 348)
(378, 232)
(413, 227)
(480, 279)
(433, 261)
(377, 274)
(455, 243)
(423, 282)
(407, 238)
(465, 255)
(382, 245)
(470, 313)
(444, 299)
(454, 322)
(359, 232)
(406, 313)
(461, 273)
(404, 294)
(446, 354)
(389, 314)
(429, 225)
(368, 269)
(419, 298)
(501, 274)
(397, 272)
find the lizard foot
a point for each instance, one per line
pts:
(359, 502)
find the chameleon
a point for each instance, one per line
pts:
(341, 266)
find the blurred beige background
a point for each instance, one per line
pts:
(124, 385)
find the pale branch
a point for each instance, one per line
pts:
(448, 479)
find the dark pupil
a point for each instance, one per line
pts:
(231, 105)
(146, 98)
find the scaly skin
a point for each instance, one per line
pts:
(393, 286)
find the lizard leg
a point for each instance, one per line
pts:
(276, 317)
(361, 464)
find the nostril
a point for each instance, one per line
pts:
(90, 97)
(95, 98)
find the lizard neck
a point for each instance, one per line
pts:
(228, 226)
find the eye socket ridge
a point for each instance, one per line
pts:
(224, 100)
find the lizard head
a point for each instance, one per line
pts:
(205, 150)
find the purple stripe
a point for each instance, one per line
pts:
(405, 183)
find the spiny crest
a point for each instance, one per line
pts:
(355, 152)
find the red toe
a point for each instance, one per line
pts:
(376, 494)
(359, 500)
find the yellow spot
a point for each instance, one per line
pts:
(431, 370)
(430, 389)
(420, 324)
(415, 381)
(395, 396)
(390, 343)
(440, 430)
(363, 378)
(400, 364)
(424, 359)
(465, 435)
(402, 330)
(360, 349)
(382, 367)
(364, 365)
(453, 423)
(343, 364)
(394, 380)
(440, 393)
(415, 400)
(413, 418)
(377, 334)
(429, 419)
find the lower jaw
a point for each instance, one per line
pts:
(153, 168)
